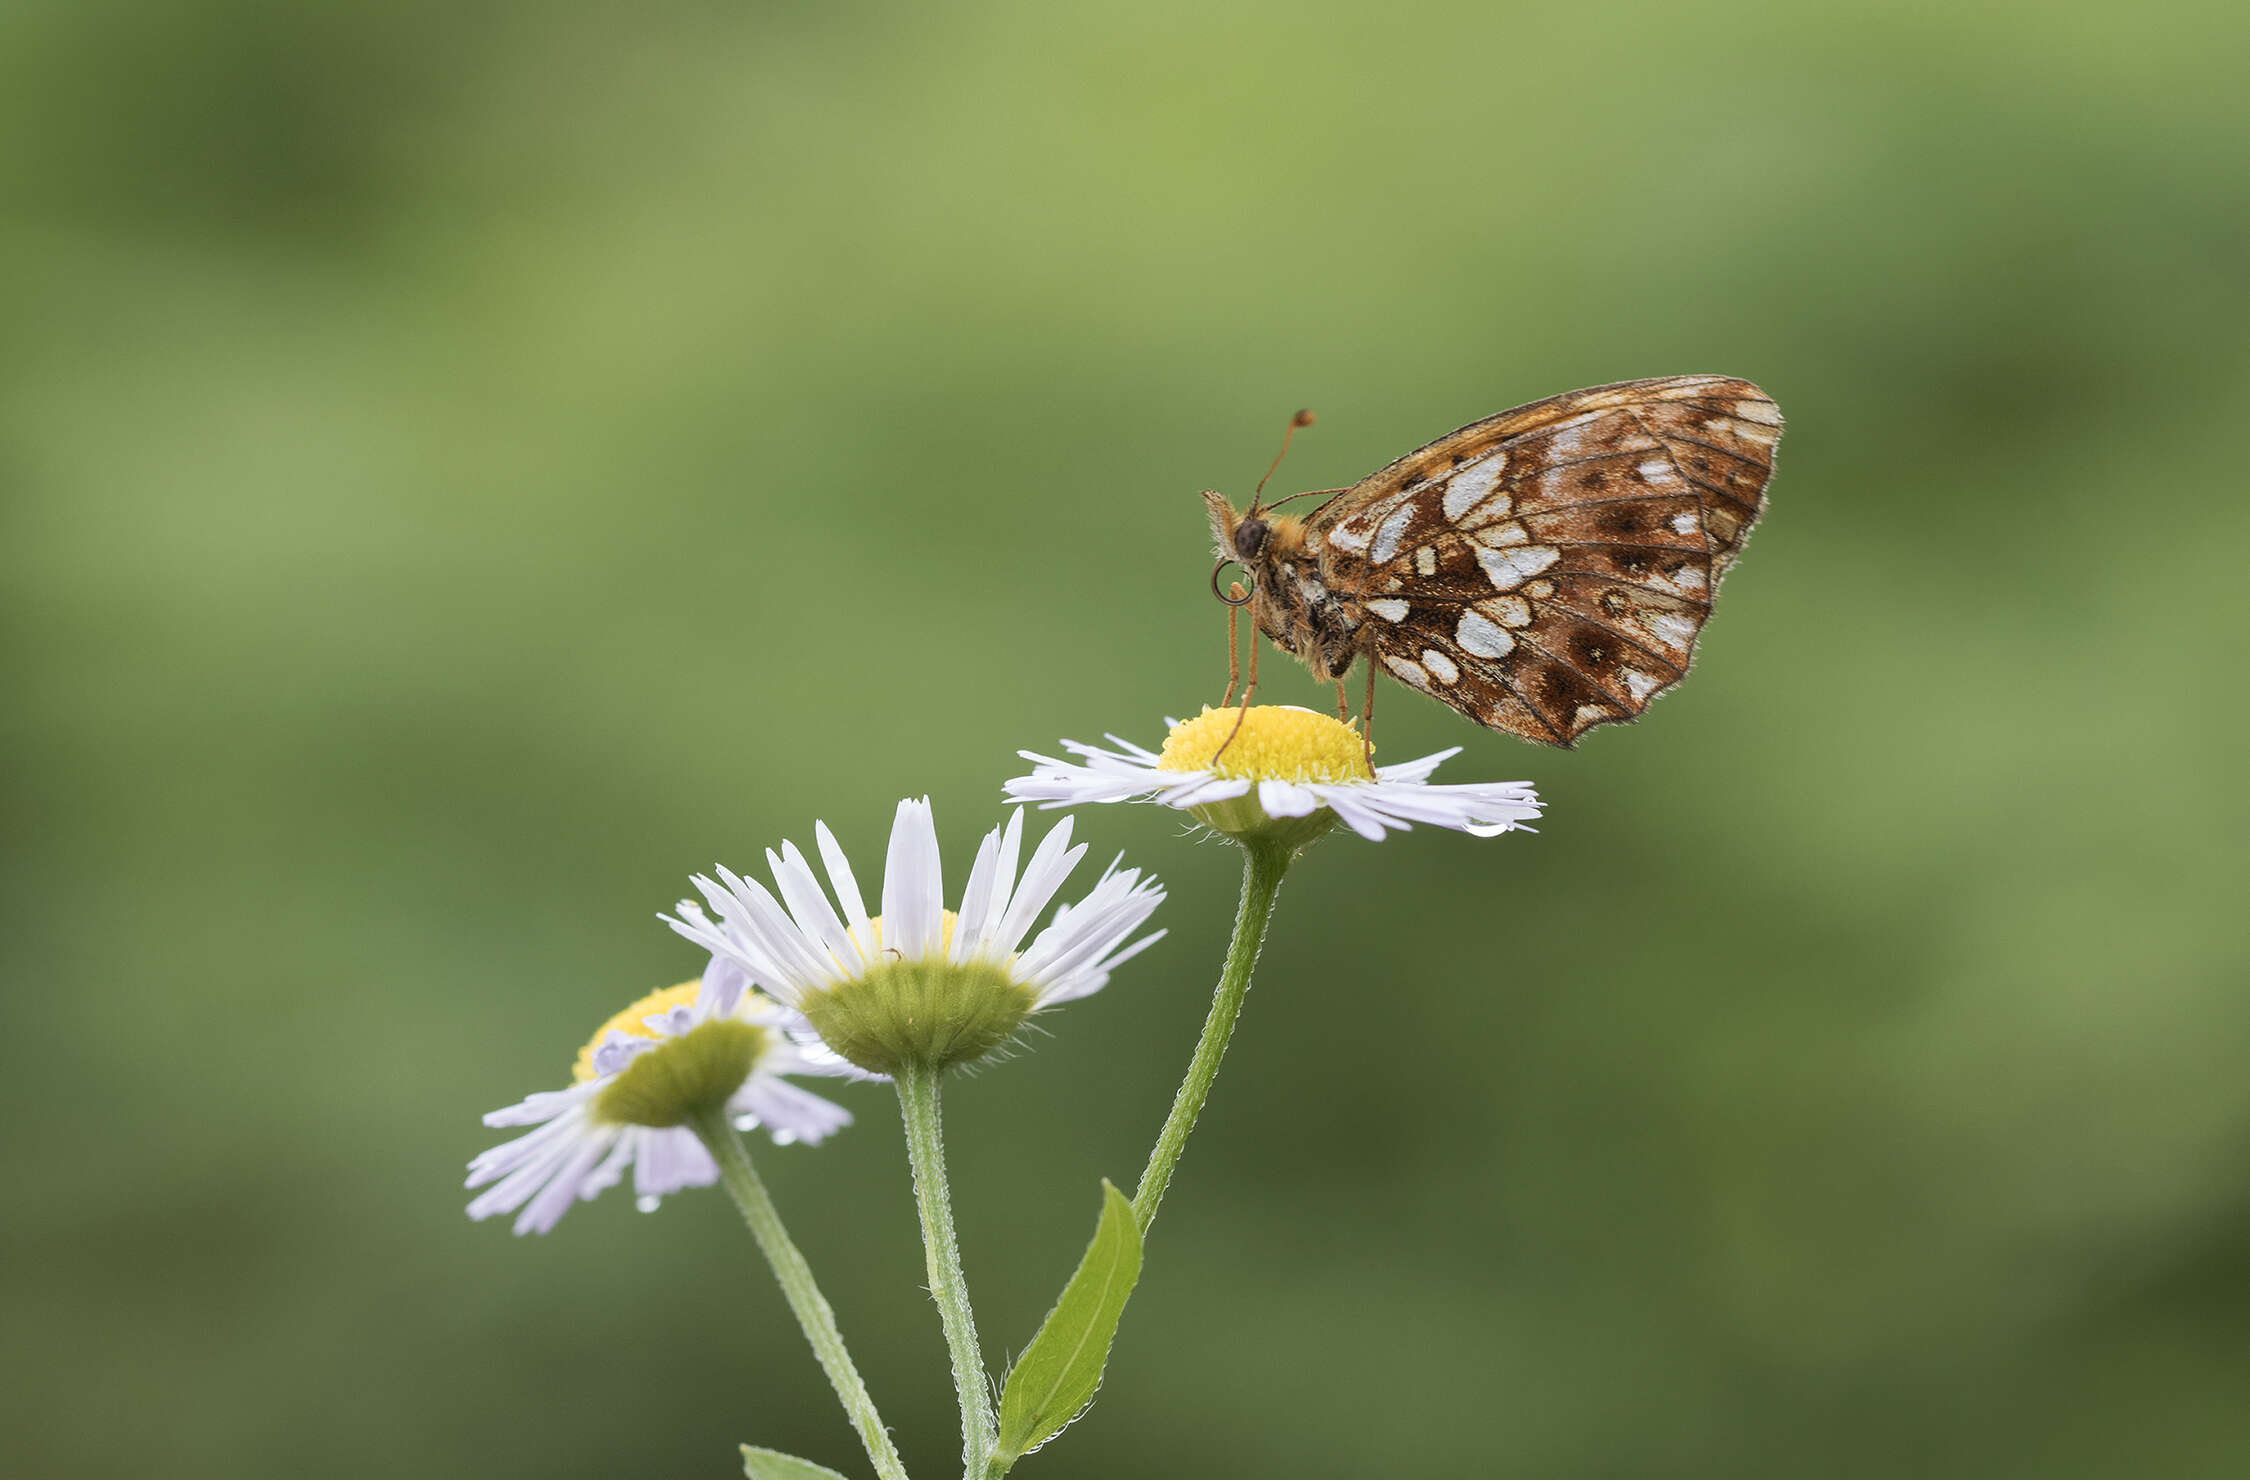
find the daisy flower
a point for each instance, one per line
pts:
(701, 1047)
(1285, 772)
(920, 984)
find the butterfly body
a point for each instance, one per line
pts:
(1541, 571)
(1299, 604)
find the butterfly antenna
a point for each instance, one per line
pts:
(1301, 419)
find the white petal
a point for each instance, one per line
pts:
(1287, 799)
(846, 886)
(1086, 983)
(808, 906)
(1003, 881)
(1352, 810)
(1081, 936)
(976, 899)
(1415, 770)
(690, 922)
(1050, 865)
(913, 883)
(760, 921)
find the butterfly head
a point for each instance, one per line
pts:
(1242, 538)
(1249, 540)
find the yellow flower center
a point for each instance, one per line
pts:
(629, 1021)
(1276, 742)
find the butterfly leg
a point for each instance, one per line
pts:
(1367, 719)
(1243, 713)
(1343, 705)
(1234, 635)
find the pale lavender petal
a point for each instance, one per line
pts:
(534, 1109)
(554, 1199)
(724, 982)
(788, 1112)
(499, 1161)
(668, 1159)
(613, 1166)
(619, 1048)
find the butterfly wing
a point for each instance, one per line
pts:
(1548, 569)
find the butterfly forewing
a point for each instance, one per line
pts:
(1548, 569)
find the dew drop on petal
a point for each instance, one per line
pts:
(746, 1122)
(785, 1138)
(647, 1204)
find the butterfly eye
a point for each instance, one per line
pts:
(1249, 538)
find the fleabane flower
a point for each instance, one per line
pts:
(703, 1047)
(1275, 773)
(921, 985)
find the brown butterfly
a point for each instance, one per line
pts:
(1542, 571)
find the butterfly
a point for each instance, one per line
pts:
(1541, 571)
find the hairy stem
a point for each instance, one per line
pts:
(925, 1151)
(795, 1276)
(1263, 864)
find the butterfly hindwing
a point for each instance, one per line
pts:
(1558, 560)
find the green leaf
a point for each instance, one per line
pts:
(1055, 1378)
(772, 1464)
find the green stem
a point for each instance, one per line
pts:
(796, 1279)
(925, 1151)
(1263, 864)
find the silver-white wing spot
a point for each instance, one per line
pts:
(1499, 536)
(1440, 665)
(1425, 561)
(1471, 482)
(1389, 608)
(1640, 685)
(1407, 669)
(1508, 569)
(1482, 637)
(1392, 531)
(1508, 611)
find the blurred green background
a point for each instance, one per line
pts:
(466, 468)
